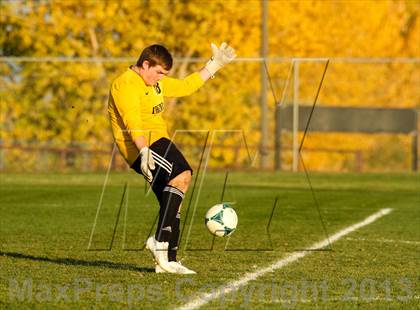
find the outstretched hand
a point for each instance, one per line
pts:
(221, 56)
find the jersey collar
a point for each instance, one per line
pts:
(140, 80)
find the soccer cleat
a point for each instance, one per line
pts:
(177, 267)
(159, 269)
(159, 251)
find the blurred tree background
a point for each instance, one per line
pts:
(63, 103)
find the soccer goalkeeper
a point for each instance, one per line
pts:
(135, 107)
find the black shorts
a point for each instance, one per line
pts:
(169, 163)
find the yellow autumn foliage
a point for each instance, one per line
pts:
(64, 103)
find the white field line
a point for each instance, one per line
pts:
(250, 276)
(384, 240)
(354, 298)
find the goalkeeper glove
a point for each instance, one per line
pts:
(221, 56)
(147, 163)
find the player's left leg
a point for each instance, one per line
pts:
(182, 182)
(169, 219)
(172, 178)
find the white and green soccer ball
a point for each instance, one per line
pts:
(221, 220)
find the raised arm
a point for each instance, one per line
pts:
(221, 56)
(178, 88)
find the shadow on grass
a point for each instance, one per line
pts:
(78, 262)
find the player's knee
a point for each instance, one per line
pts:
(182, 181)
(187, 178)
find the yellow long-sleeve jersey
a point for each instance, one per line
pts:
(136, 109)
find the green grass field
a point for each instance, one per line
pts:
(46, 223)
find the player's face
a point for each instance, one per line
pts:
(152, 75)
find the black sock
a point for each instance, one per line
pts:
(169, 204)
(173, 242)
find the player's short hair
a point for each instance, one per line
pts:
(156, 55)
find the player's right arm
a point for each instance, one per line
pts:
(127, 101)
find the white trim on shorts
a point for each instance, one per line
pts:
(161, 161)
